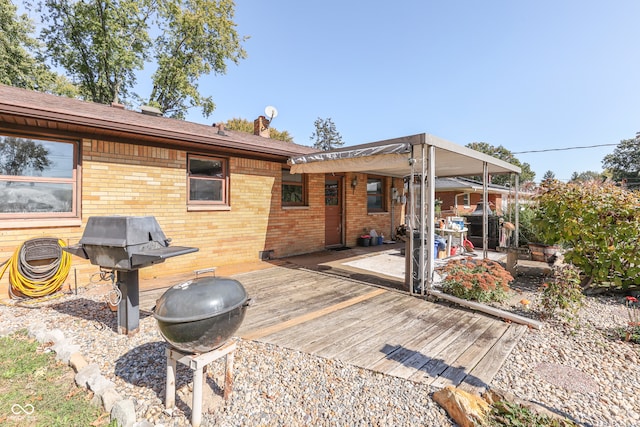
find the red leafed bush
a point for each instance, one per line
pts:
(478, 280)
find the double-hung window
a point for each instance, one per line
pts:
(38, 178)
(463, 200)
(208, 181)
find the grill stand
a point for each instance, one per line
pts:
(129, 306)
(197, 363)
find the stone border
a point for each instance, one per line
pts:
(88, 376)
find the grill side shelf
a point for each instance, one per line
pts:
(154, 256)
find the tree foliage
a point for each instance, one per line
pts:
(198, 37)
(548, 175)
(21, 61)
(18, 154)
(624, 162)
(326, 136)
(586, 176)
(244, 125)
(103, 43)
(599, 223)
(100, 44)
(502, 153)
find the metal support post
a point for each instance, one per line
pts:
(129, 306)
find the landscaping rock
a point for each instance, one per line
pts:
(53, 336)
(98, 384)
(124, 413)
(83, 376)
(77, 361)
(467, 410)
(109, 398)
(64, 349)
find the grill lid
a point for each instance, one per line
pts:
(199, 299)
(122, 231)
(125, 242)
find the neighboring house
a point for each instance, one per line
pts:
(460, 196)
(228, 193)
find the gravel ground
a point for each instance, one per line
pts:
(579, 367)
(582, 372)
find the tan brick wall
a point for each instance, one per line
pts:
(121, 179)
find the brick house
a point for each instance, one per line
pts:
(460, 196)
(228, 193)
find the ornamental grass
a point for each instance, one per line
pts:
(477, 280)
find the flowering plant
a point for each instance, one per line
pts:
(563, 294)
(482, 280)
(633, 328)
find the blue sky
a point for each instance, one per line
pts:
(528, 75)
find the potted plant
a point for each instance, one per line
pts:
(531, 234)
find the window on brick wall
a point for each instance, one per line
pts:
(208, 181)
(463, 199)
(376, 194)
(38, 178)
(294, 189)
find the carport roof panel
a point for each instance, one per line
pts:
(391, 157)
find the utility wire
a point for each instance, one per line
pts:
(564, 149)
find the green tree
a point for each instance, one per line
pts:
(102, 43)
(244, 125)
(624, 162)
(18, 155)
(502, 153)
(198, 37)
(599, 223)
(548, 175)
(586, 176)
(21, 61)
(326, 137)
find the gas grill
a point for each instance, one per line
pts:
(125, 244)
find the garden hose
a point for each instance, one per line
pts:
(36, 280)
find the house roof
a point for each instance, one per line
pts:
(26, 111)
(468, 185)
(398, 157)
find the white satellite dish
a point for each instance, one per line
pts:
(271, 112)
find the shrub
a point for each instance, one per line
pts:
(528, 233)
(599, 223)
(482, 280)
(632, 331)
(562, 294)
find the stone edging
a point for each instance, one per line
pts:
(88, 376)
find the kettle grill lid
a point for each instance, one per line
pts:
(199, 299)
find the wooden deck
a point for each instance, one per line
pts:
(375, 328)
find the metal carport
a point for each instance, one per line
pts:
(412, 157)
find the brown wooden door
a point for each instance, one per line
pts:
(333, 210)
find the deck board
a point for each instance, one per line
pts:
(381, 329)
(482, 374)
(458, 369)
(319, 329)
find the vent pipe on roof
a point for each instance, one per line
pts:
(117, 105)
(220, 127)
(150, 111)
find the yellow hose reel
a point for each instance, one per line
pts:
(37, 268)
